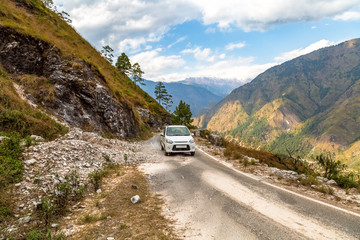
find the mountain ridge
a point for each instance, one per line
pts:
(313, 98)
(200, 99)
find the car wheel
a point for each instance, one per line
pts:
(192, 153)
(162, 147)
(166, 153)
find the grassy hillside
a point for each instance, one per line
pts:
(31, 17)
(19, 116)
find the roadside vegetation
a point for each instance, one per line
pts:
(323, 165)
(112, 214)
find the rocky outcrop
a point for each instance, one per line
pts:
(81, 96)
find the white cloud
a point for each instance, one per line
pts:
(260, 14)
(210, 30)
(301, 51)
(177, 41)
(200, 55)
(348, 16)
(154, 64)
(133, 26)
(124, 19)
(241, 69)
(232, 46)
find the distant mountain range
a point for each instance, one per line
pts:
(309, 104)
(200, 93)
(220, 87)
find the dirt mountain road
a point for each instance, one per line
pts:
(212, 201)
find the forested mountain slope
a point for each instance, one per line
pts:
(306, 105)
(199, 98)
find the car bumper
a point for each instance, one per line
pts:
(183, 148)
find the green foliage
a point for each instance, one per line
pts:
(182, 115)
(347, 181)
(35, 234)
(95, 178)
(107, 53)
(309, 180)
(253, 131)
(291, 145)
(137, 73)
(11, 166)
(63, 192)
(162, 96)
(6, 201)
(123, 63)
(46, 211)
(329, 165)
(15, 120)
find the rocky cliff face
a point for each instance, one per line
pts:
(80, 95)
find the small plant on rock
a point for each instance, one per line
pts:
(95, 179)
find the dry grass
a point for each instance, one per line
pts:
(51, 28)
(17, 115)
(111, 213)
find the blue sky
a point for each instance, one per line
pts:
(228, 39)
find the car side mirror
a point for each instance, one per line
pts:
(192, 134)
(162, 134)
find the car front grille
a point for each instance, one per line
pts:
(180, 141)
(176, 148)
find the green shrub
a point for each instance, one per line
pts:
(15, 120)
(63, 192)
(46, 211)
(95, 179)
(35, 234)
(5, 208)
(309, 180)
(330, 166)
(11, 166)
(346, 181)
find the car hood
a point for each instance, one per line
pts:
(179, 138)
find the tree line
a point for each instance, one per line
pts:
(182, 114)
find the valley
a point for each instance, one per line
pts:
(276, 120)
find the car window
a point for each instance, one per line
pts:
(177, 131)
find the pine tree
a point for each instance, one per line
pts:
(182, 115)
(123, 64)
(107, 53)
(137, 73)
(160, 92)
(168, 102)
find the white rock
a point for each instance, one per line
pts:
(24, 220)
(30, 161)
(135, 199)
(98, 191)
(331, 182)
(37, 138)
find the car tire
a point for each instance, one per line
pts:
(192, 153)
(162, 147)
(166, 153)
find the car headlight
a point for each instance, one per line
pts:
(191, 141)
(169, 141)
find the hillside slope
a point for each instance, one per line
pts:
(308, 104)
(63, 75)
(199, 98)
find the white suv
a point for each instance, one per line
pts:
(177, 138)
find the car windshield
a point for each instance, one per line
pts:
(177, 131)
